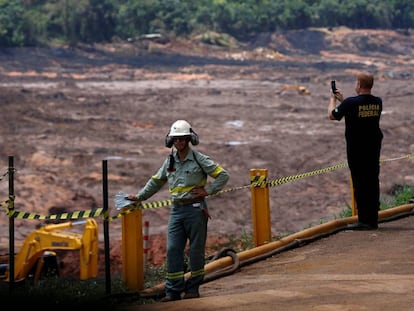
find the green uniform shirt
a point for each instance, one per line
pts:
(186, 175)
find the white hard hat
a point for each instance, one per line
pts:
(180, 128)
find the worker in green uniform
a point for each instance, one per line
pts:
(186, 172)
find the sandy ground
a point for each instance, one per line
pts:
(67, 110)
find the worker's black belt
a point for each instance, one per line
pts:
(187, 202)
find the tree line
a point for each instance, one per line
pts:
(55, 22)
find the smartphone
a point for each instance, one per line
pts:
(333, 86)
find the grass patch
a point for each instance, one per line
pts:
(73, 293)
(398, 195)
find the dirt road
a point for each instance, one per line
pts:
(348, 270)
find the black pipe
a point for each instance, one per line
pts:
(106, 226)
(11, 223)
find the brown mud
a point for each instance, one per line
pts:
(262, 104)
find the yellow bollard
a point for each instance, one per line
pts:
(260, 207)
(132, 251)
(353, 202)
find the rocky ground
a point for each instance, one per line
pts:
(258, 104)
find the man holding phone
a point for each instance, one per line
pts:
(363, 137)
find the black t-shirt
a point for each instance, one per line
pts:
(362, 123)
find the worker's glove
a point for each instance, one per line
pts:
(121, 200)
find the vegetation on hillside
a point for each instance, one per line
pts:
(54, 22)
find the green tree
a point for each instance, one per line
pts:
(31, 22)
(88, 20)
(176, 15)
(327, 12)
(11, 23)
(137, 17)
(365, 14)
(236, 18)
(403, 13)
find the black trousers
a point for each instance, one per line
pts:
(365, 180)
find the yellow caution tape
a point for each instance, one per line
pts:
(4, 175)
(284, 180)
(399, 158)
(257, 181)
(63, 216)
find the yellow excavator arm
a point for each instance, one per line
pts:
(56, 237)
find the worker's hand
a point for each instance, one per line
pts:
(132, 197)
(123, 200)
(199, 192)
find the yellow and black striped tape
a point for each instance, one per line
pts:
(284, 180)
(63, 216)
(9, 202)
(11, 169)
(130, 208)
(257, 181)
(4, 175)
(399, 158)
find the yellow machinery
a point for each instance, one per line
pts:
(41, 243)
